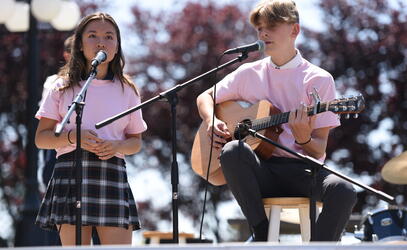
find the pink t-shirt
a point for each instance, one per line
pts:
(286, 87)
(104, 99)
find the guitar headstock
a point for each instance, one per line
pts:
(348, 105)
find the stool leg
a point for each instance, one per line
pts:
(305, 224)
(317, 212)
(267, 210)
(274, 223)
(155, 240)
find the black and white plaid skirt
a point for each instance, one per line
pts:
(107, 199)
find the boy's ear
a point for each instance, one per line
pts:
(296, 29)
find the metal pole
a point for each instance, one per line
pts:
(28, 234)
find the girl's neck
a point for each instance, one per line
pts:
(102, 70)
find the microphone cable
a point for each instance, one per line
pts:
(210, 150)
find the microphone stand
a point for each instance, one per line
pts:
(172, 98)
(77, 106)
(315, 165)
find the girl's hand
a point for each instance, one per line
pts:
(107, 149)
(89, 139)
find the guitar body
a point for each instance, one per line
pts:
(264, 118)
(232, 113)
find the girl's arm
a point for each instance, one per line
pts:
(46, 139)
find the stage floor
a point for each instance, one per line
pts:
(241, 246)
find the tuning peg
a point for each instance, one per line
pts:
(355, 116)
(347, 116)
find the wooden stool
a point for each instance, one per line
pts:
(273, 208)
(156, 236)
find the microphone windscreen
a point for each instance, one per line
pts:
(261, 45)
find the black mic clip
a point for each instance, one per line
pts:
(242, 130)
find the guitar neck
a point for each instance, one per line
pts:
(278, 119)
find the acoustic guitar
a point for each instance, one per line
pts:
(262, 117)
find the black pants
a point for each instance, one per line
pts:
(250, 179)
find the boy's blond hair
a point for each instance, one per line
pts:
(274, 12)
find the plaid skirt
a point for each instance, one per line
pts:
(107, 199)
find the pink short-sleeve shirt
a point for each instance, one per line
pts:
(104, 98)
(286, 87)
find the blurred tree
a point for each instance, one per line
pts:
(174, 48)
(13, 135)
(13, 110)
(365, 47)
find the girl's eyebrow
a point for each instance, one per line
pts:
(94, 31)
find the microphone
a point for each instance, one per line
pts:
(259, 45)
(99, 58)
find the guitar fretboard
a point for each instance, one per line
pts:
(277, 119)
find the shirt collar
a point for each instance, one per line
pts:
(293, 63)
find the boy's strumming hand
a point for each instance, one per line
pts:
(221, 133)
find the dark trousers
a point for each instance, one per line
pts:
(250, 179)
